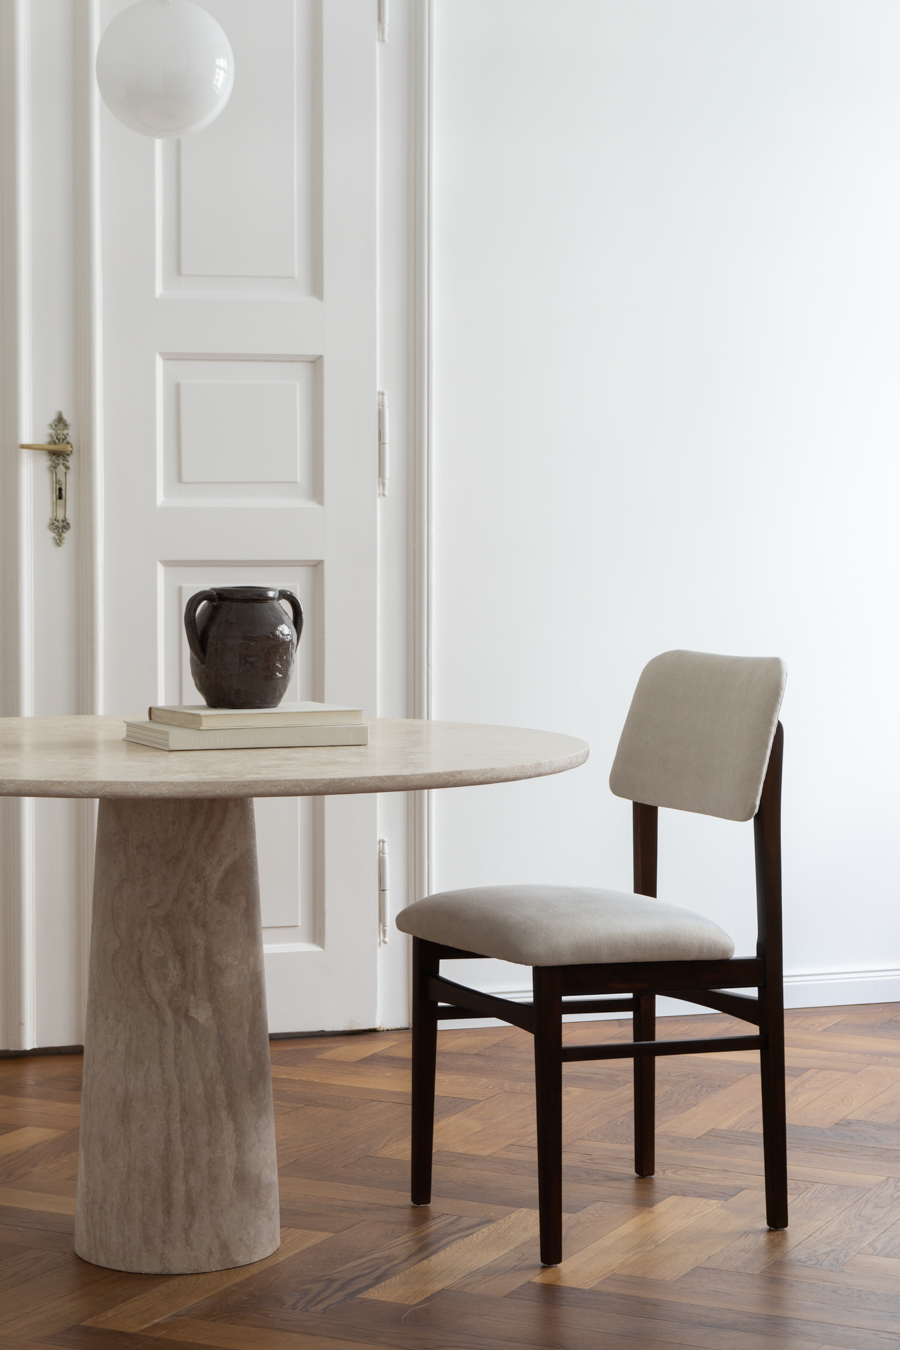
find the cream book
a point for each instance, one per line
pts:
(202, 718)
(162, 737)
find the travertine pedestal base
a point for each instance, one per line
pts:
(177, 1170)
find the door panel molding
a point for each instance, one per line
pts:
(199, 180)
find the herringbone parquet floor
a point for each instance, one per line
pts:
(680, 1260)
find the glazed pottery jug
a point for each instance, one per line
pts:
(242, 645)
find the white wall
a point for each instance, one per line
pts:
(667, 414)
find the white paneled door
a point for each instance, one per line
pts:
(240, 426)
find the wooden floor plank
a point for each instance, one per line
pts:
(23, 1110)
(873, 1048)
(716, 1112)
(35, 1314)
(809, 1087)
(459, 1321)
(49, 1164)
(219, 1334)
(179, 1292)
(420, 1240)
(344, 1075)
(700, 1239)
(651, 1313)
(755, 1249)
(507, 1272)
(817, 1019)
(829, 1302)
(887, 1267)
(847, 1097)
(446, 1267)
(866, 1014)
(454, 1039)
(853, 1229)
(18, 1265)
(352, 1196)
(779, 1307)
(36, 1200)
(633, 1241)
(26, 1136)
(584, 1111)
(481, 1128)
(709, 1159)
(336, 1147)
(361, 1047)
(885, 1107)
(886, 1243)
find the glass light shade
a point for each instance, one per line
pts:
(165, 68)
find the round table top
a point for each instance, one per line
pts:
(89, 757)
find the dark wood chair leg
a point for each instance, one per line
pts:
(767, 833)
(771, 1067)
(548, 1095)
(424, 1055)
(644, 1029)
(645, 839)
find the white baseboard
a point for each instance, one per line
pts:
(822, 989)
(837, 988)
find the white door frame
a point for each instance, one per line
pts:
(420, 637)
(66, 331)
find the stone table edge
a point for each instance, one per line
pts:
(306, 787)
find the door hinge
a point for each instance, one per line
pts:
(383, 892)
(382, 20)
(382, 445)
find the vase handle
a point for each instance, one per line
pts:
(296, 612)
(190, 623)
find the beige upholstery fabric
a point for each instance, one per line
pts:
(698, 733)
(564, 926)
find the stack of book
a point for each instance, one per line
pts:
(196, 727)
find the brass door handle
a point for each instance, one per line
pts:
(59, 448)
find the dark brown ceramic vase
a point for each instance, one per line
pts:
(242, 645)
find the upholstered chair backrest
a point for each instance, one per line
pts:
(699, 732)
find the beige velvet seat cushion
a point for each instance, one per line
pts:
(564, 926)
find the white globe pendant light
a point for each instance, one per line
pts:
(165, 68)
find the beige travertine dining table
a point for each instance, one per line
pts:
(177, 1169)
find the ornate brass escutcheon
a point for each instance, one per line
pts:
(59, 449)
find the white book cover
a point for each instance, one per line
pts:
(162, 737)
(202, 718)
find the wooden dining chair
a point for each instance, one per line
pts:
(702, 735)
